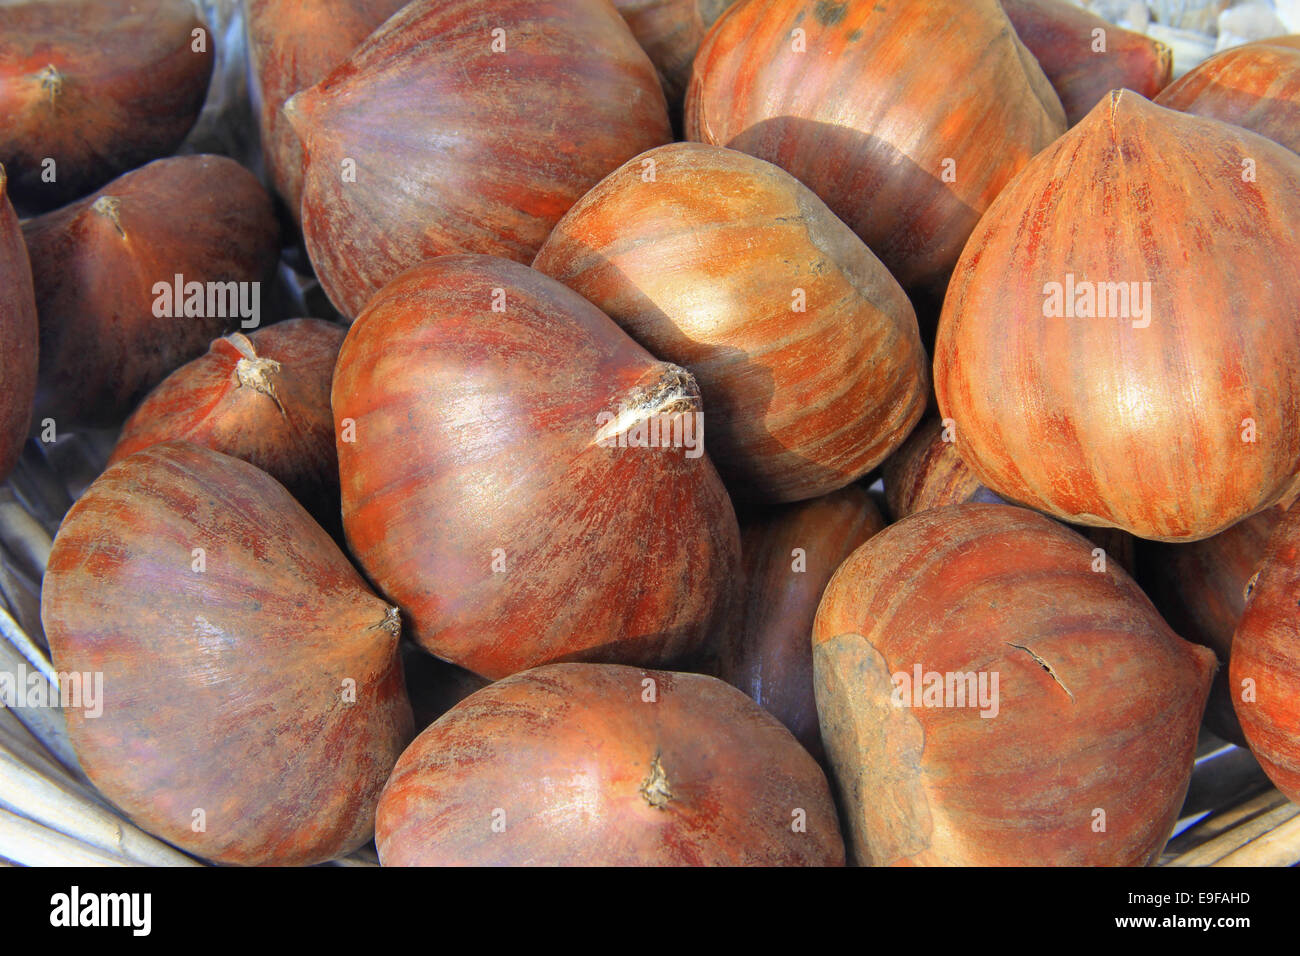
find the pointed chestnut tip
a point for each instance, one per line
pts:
(1164, 63)
(4, 179)
(296, 109)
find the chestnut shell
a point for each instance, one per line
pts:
(464, 127)
(99, 87)
(227, 627)
(263, 398)
(18, 336)
(96, 263)
(1087, 750)
(601, 765)
(492, 488)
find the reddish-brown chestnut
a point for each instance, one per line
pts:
(1085, 57)
(1256, 86)
(987, 698)
(1264, 672)
(1110, 349)
(670, 31)
(137, 279)
(601, 765)
(927, 472)
(806, 349)
(92, 88)
(906, 117)
(263, 398)
(18, 336)
(293, 44)
(526, 482)
(250, 680)
(464, 127)
(789, 556)
(1200, 588)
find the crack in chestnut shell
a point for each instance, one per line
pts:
(1255, 86)
(288, 433)
(581, 769)
(95, 265)
(475, 442)
(1098, 701)
(294, 44)
(460, 149)
(1061, 38)
(701, 266)
(868, 115)
(770, 656)
(670, 31)
(224, 689)
(1201, 589)
(99, 86)
(1266, 651)
(18, 337)
(1101, 423)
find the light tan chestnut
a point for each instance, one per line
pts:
(1120, 341)
(805, 348)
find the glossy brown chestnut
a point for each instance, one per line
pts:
(251, 681)
(906, 118)
(1264, 672)
(1201, 589)
(525, 481)
(789, 556)
(97, 87)
(18, 336)
(805, 348)
(670, 31)
(1140, 371)
(1085, 57)
(987, 698)
(1256, 86)
(464, 127)
(293, 44)
(105, 268)
(601, 765)
(263, 398)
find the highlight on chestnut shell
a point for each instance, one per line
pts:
(1108, 351)
(806, 350)
(526, 482)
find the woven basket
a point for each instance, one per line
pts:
(50, 814)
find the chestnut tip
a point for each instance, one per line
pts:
(110, 208)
